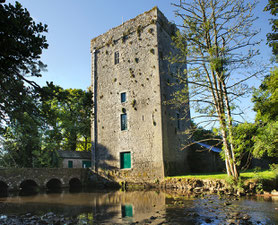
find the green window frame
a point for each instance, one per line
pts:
(116, 57)
(125, 160)
(127, 211)
(86, 164)
(70, 164)
(123, 97)
(123, 121)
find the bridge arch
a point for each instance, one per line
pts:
(54, 184)
(26, 179)
(75, 183)
(28, 186)
(20, 178)
(3, 188)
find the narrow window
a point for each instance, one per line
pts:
(116, 57)
(178, 121)
(123, 97)
(86, 164)
(70, 164)
(125, 160)
(123, 121)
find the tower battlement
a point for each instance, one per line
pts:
(132, 26)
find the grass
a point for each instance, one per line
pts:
(202, 176)
(265, 175)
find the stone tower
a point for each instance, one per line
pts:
(135, 136)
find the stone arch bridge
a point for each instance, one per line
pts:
(16, 179)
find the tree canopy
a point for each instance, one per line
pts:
(63, 124)
(217, 43)
(68, 114)
(272, 38)
(21, 44)
(260, 139)
(35, 121)
(265, 100)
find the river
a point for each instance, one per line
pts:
(136, 207)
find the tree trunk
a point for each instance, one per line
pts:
(230, 131)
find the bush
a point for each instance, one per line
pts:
(274, 168)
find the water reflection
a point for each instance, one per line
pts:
(3, 193)
(86, 218)
(3, 189)
(143, 207)
(127, 211)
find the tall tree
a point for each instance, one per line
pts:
(261, 138)
(216, 41)
(244, 143)
(21, 138)
(272, 38)
(265, 100)
(68, 113)
(21, 44)
(63, 124)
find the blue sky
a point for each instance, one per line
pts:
(72, 24)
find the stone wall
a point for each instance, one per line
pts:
(150, 136)
(76, 163)
(204, 161)
(220, 186)
(175, 120)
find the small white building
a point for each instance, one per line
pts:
(75, 159)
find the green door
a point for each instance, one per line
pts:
(70, 164)
(125, 158)
(86, 164)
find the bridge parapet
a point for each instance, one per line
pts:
(14, 177)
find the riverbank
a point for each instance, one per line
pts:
(221, 186)
(30, 218)
(250, 184)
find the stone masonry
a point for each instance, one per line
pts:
(130, 82)
(12, 178)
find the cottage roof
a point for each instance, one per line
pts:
(209, 147)
(74, 154)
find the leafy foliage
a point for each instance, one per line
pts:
(21, 44)
(272, 38)
(260, 139)
(20, 140)
(244, 143)
(63, 124)
(68, 112)
(274, 168)
(35, 121)
(265, 100)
